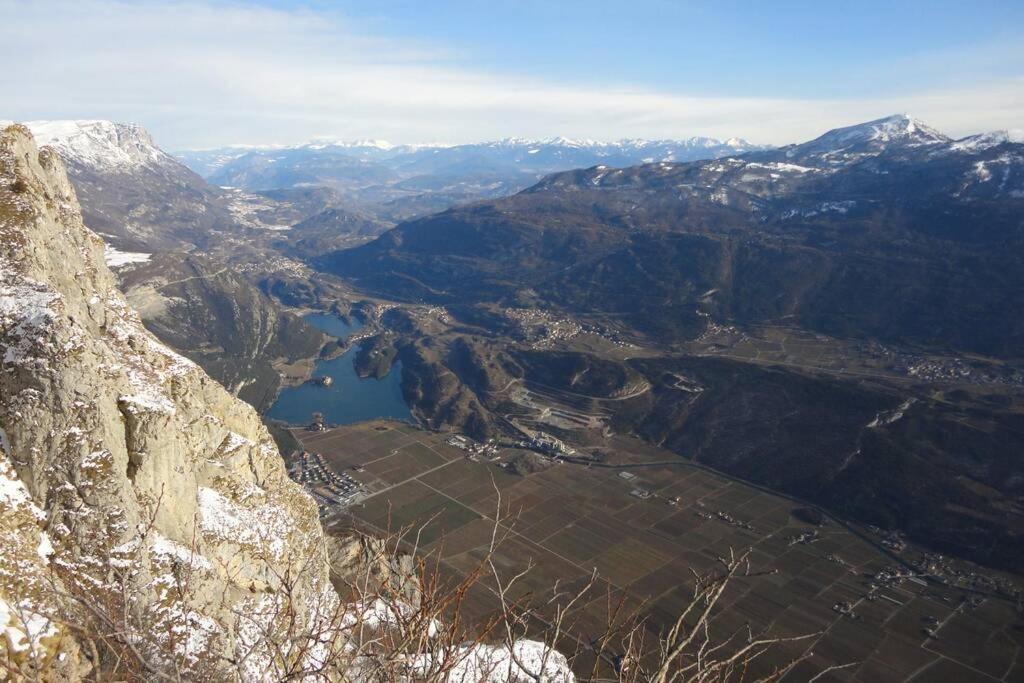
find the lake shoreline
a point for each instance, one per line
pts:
(350, 397)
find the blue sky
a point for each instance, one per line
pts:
(205, 73)
(800, 49)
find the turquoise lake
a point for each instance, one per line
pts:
(350, 398)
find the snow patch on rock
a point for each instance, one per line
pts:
(166, 550)
(116, 258)
(259, 526)
(525, 662)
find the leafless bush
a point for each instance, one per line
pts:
(404, 622)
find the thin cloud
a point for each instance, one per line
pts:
(200, 74)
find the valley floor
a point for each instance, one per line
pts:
(643, 519)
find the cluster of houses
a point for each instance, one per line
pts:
(724, 516)
(327, 487)
(946, 571)
(805, 538)
(893, 539)
(956, 370)
(475, 450)
(549, 445)
(643, 493)
(541, 327)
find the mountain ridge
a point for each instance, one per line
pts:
(99, 143)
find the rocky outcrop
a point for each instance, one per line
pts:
(142, 507)
(362, 564)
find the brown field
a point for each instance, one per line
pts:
(570, 520)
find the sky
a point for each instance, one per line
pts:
(202, 74)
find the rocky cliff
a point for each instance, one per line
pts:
(143, 509)
(148, 529)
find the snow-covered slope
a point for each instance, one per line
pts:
(137, 196)
(983, 141)
(842, 146)
(101, 145)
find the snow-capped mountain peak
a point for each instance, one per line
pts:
(562, 141)
(902, 126)
(899, 128)
(99, 144)
(983, 141)
(841, 146)
(382, 145)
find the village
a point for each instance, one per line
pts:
(329, 489)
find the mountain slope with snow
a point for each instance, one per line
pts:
(844, 145)
(100, 145)
(138, 197)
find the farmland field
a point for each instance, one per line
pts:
(570, 520)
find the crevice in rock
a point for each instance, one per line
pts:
(129, 420)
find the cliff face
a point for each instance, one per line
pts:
(136, 494)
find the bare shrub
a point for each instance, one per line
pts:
(405, 623)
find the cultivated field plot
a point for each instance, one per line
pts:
(644, 520)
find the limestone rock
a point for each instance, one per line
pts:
(362, 564)
(133, 488)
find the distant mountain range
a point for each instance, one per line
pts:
(533, 156)
(401, 181)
